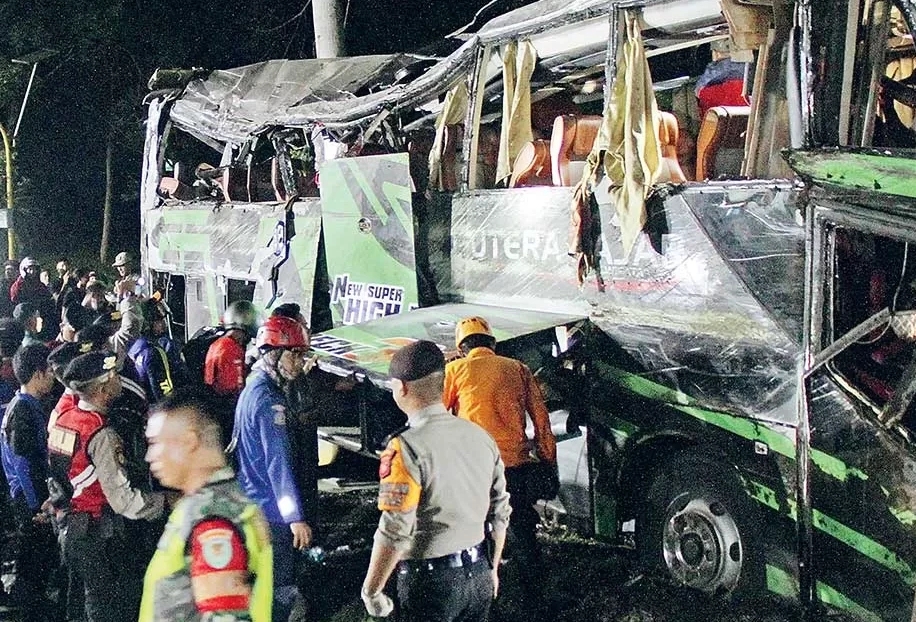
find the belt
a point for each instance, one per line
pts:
(466, 557)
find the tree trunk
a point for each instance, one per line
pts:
(328, 18)
(106, 214)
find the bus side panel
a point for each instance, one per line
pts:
(209, 243)
(368, 227)
(864, 490)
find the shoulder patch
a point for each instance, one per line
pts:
(219, 567)
(398, 491)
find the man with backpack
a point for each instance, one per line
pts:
(224, 366)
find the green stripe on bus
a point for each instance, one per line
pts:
(847, 535)
(742, 426)
(781, 582)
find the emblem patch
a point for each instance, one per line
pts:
(216, 546)
(384, 467)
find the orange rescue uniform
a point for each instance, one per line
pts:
(495, 392)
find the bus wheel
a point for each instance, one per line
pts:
(696, 526)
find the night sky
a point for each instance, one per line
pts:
(61, 145)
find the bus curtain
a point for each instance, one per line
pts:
(518, 64)
(454, 109)
(627, 150)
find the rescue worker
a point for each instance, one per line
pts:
(154, 370)
(263, 450)
(442, 490)
(224, 366)
(24, 451)
(87, 457)
(496, 392)
(214, 558)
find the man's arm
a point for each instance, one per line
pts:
(498, 517)
(271, 421)
(23, 439)
(106, 450)
(398, 499)
(131, 322)
(544, 440)
(220, 582)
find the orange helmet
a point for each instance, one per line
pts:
(282, 332)
(474, 325)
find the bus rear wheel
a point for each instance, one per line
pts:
(697, 527)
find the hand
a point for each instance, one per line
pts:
(495, 574)
(378, 605)
(302, 534)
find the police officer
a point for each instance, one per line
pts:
(496, 392)
(87, 461)
(442, 480)
(214, 558)
(263, 450)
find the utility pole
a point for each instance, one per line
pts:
(328, 20)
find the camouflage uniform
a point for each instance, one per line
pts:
(212, 533)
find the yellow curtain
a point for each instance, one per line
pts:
(627, 143)
(454, 110)
(518, 65)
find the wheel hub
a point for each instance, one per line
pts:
(702, 546)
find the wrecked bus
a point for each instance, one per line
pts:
(720, 304)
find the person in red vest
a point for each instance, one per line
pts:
(87, 463)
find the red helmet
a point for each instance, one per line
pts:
(282, 332)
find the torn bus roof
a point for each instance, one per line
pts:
(233, 104)
(366, 349)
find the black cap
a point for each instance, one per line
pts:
(88, 367)
(107, 317)
(23, 311)
(61, 356)
(76, 316)
(95, 335)
(416, 360)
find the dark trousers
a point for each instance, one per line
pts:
(97, 556)
(35, 557)
(446, 595)
(284, 556)
(522, 547)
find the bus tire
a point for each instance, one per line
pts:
(698, 527)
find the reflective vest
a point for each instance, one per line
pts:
(167, 591)
(68, 440)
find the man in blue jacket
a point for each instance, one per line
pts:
(24, 451)
(263, 449)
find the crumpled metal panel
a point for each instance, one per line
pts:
(699, 316)
(232, 104)
(203, 239)
(537, 14)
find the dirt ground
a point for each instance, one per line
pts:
(587, 581)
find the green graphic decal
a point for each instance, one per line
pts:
(781, 582)
(245, 242)
(368, 226)
(830, 526)
(746, 428)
